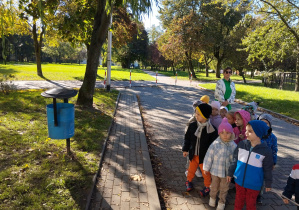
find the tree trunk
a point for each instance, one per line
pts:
(38, 49)
(297, 74)
(98, 37)
(219, 61)
(172, 66)
(190, 64)
(241, 73)
(206, 66)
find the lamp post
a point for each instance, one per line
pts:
(109, 55)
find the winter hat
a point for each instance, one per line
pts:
(205, 110)
(224, 107)
(215, 104)
(245, 115)
(267, 117)
(260, 128)
(196, 103)
(205, 99)
(224, 125)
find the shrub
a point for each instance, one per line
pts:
(7, 86)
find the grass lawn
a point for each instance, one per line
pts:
(35, 171)
(201, 76)
(281, 101)
(68, 72)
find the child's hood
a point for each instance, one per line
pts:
(245, 116)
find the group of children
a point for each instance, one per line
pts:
(236, 147)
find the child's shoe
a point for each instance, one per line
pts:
(212, 202)
(198, 173)
(189, 186)
(205, 191)
(220, 206)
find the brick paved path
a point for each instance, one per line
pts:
(167, 110)
(126, 180)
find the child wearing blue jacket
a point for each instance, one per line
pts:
(271, 142)
(252, 164)
(272, 139)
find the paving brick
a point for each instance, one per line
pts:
(115, 199)
(134, 203)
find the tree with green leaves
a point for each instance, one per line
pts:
(88, 21)
(169, 46)
(38, 13)
(278, 33)
(220, 22)
(10, 24)
(182, 21)
(135, 50)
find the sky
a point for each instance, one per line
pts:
(151, 19)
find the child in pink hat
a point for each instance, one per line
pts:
(242, 117)
(217, 161)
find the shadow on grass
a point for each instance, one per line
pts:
(7, 71)
(36, 171)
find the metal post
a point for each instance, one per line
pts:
(55, 112)
(68, 140)
(130, 79)
(176, 77)
(109, 55)
(105, 80)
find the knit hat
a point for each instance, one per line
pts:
(205, 110)
(215, 104)
(224, 125)
(205, 98)
(260, 128)
(267, 117)
(224, 107)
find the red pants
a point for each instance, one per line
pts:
(243, 194)
(193, 165)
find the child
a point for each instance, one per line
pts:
(217, 161)
(292, 186)
(242, 117)
(251, 108)
(223, 111)
(271, 142)
(252, 165)
(198, 138)
(193, 119)
(231, 118)
(215, 117)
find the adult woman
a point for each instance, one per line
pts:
(225, 91)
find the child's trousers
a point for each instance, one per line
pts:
(219, 185)
(194, 163)
(243, 194)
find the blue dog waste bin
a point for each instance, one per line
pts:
(65, 118)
